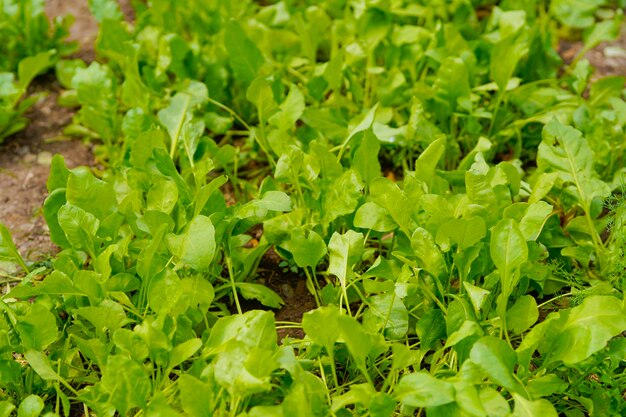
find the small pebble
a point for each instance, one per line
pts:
(44, 158)
(287, 291)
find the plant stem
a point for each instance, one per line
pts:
(233, 285)
(314, 285)
(231, 112)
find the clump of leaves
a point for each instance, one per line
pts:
(436, 286)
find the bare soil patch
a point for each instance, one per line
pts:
(24, 167)
(25, 157)
(608, 58)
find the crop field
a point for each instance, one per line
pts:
(311, 208)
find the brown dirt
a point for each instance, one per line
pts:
(84, 30)
(24, 168)
(25, 157)
(290, 287)
(298, 300)
(608, 58)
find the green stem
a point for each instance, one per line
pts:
(495, 112)
(331, 356)
(231, 276)
(231, 112)
(431, 295)
(314, 285)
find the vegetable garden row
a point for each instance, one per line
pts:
(450, 189)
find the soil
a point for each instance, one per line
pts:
(24, 167)
(608, 58)
(25, 157)
(291, 287)
(85, 28)
(298, 300)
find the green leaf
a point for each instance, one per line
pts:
(274, 201)
(542, 186)
(198, 292)
(130, 342)
(165, 292)
(252, 329)
(423, 390)
(322, 326)
(509, 252)
(452, 88)
(468, 332)
(372, 216)
(388, 195)
(30, 67)
(183, 352)
(196, 397)
(505, 57)
(427, 162)
(41, 364)
(329, 122)
(373, 26)
(493, 402)
(38, 328)
(605, 89)
(426, 251)
(477, 295)
(587, 330)
(356, 339)
(365, 157)
(308, 250)
(174, 118)
(204, 195)
(166, 166)
(265, 295)
(497, 359)
(105, 9)
(342, 196)
(31, 406)
(8, 250)
(261, 95)
(6, 408)
(232, 371)
(361, 123)
(528, 408)
(522, 314)
(430, 328)
(91, 194)
(126, 383)
(163, 196)
(59, 173)
(290, 110)
(80, 228)
(195, 247)
(464, 232)
(94, 87)
(564, 150)
(467, 398)
(546, 385)
(534, 219)
(575, 13)
(108, 315)
(386, 312)
(55, 200)
(114, 39)
(244, 57)
(345, 251)
(605, 31)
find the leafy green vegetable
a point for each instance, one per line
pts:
(449, 193)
